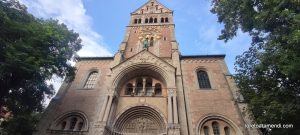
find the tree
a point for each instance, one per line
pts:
(32, 50)
(268, 74)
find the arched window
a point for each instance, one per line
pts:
(162, 20)
(146, 20)
(158, 89)
(149, 89)
(70, 122)
(203, 79)
(91, 80)
(151, 41)
(227, 130)
(166, 19)
(73, 123)
(80, 126)
(135, 21)
(63, 125)
(206, 130)
(140, 20)
(129, 89)
(215, 126)
(151, 20)
(139, 86)
(155, 20)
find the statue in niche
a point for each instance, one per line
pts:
(146, 43)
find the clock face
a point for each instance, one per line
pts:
(148, 32)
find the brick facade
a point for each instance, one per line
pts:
(148, 88)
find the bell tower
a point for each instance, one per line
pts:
(151, 27)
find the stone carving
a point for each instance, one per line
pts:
(148, 32)
(143, 57)
(141, 125)
(172, 92)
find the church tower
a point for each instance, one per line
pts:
(148, 88)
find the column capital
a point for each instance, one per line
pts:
(111, 92)
(172, 92)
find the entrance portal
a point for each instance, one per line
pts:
(142, 120)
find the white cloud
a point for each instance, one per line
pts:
(73, 14)
(209, 30)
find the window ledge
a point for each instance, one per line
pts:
(65, 131)
(86, 89)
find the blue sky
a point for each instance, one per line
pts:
(102, 24)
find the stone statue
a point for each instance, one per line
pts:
(146, 43)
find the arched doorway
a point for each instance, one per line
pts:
(140, 120)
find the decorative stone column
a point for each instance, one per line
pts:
(108, 107)
(170, 111)
(77, 125)
(144, 86)
(103, 108)
(173, 125)
(68, 124)
(100, 124)
(175, 111)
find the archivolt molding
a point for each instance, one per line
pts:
(142, 104)
(143, 61)
(65, 115)
(136, 117)
(209, 117)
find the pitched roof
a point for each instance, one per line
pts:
(155, 3)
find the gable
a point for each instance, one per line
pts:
(144, 57)
(152, 6)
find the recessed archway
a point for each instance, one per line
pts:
(140, 120)
(207, 124)
(137, 70)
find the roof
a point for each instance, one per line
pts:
(149, 1)
(203, 56)
(94, 58)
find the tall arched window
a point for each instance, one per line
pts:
(139, 86)
(227, 131)
(149, 89)
(63, 125)
(146, 20)
(158, 89)
(155, 20)
(203, 79)
(162, 20)
(135, 21)
(80, 126)
(151, 20)
(73, 123)
(215, 126)
(91, 80)
(129, 89)
(206, 130)
(140, 20)
(166, 19)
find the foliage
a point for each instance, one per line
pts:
(269, 72)
(21, 124)
(32, 50)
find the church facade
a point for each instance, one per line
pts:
(148, 88)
